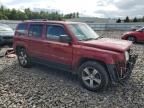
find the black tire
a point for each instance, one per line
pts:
(97, 76)
(132, 38)
(23, 58)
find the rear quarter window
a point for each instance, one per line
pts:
(21, 29)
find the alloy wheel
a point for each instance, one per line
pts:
(91, 77)
(131, 39)
(22, 57)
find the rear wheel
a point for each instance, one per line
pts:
(23, 58)
(131, 38)
(93, 76)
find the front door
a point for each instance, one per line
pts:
(58, 52)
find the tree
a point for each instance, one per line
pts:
(77, 15)
(2, 9)
(13, 14)
(21, 15)
(118, 20)
(135, 20)
(127, 19)
(28, 13)
(3, 13)
(3, 16)
(143, 19)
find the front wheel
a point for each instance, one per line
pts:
(131, 38)
(93, 76)
(23, 58)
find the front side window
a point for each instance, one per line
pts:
(35, 30)
(141, 29)
(54, 32)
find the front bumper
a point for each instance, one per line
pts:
(121, 71)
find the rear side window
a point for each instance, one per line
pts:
(35, 30)
(54, 32)
(21, 29)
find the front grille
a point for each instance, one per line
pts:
(7, 37)
(121, 69)
(124, 68)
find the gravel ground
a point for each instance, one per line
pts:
(4, 61)
(42, 87)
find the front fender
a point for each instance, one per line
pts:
(104, 56)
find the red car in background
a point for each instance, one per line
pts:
(134, 36)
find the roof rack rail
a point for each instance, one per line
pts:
(35, 20)
(39, 19)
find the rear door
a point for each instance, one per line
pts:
(58, 52)
(35, 34)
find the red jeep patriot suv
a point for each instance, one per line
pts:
(74, 47)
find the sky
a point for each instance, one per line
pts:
(91, 8)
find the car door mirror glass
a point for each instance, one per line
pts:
(65, 38)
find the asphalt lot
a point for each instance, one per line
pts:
(43, 87)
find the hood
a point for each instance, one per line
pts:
(6, 31)
(108, 44)
(129, 32)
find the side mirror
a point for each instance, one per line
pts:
(65, 38)
(140, 31)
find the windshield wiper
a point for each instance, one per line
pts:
(89, 39)
(100, 37)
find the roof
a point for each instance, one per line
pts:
(50, 21)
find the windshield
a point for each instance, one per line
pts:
(140, 29)
(83, 31)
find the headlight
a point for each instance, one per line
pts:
(126, 55)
